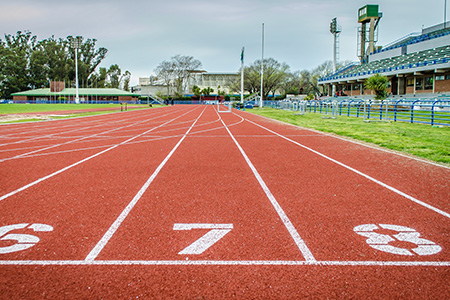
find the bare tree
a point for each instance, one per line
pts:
(177, 71)
(165, 72)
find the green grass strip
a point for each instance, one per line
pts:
(425, 141)
(35, 108)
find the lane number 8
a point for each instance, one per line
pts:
(405, 234)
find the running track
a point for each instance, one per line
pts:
(185, 202)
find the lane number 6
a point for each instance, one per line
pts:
(24, 241)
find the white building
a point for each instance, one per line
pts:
(217, 81)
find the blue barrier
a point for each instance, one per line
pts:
(432, 111)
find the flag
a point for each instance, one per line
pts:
(242, 54)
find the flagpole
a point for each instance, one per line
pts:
(242, 75)
(262, 67)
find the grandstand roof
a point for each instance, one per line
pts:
(420, 61)
(72, 92)
(414, 53)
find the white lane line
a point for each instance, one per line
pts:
(284, 218)
(437, 210)
(223, 263)
(99, 122)
(82, 161)
(351, 140)
(77, 140)
(107, 236)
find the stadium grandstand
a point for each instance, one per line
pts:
(418, 63)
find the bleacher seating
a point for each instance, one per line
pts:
(417, 39)
(407, 61)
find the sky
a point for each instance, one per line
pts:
(139, 35)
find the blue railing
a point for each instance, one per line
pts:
(433, 111)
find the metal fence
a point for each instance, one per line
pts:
(433, 111)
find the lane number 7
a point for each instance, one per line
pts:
(216, 232)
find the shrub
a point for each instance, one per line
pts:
(378, 84)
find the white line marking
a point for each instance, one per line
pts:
(104, 240)
(215, 233)
(78, 139)
(349, 139)
(183, 226)
(222, 263)
(79, 162)
(437, 210)
(284, 218)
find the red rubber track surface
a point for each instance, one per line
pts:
(287, 201)
(76, 111)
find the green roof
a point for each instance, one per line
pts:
(72, 92)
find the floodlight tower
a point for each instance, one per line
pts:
(76, 43)
(335, 31)
(368, 14)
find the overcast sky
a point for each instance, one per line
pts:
(141, 34)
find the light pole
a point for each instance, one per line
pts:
(262, 66)
(76, 43)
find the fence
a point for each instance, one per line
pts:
(433, 111)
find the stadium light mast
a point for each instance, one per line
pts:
(335, 30)
(76, 43)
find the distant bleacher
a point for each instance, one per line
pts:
(416, 39)
(413, 60)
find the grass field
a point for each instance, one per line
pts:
(424, 141)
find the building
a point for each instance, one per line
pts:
(415, 64)
(151, 86)
(216, 81)
(58, 93)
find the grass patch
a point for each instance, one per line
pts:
(421, 140)
(17, 109)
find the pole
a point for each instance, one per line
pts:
(242, 75)
(262, 67)
(445, 14)
(77, 99)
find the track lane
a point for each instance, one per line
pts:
(311, 189)
(25, 171)
(276, 279)
(80, 202)
(185, 193)
(431, 181)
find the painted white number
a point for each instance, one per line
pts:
(405, 234)
(217, 231)
(24, 241)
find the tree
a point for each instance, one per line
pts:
(115, 78)
(15, 72)
(177, 71)
(89, 58)
(165, 71)
(378, 84)
(26, 63)
(207, 91)
(275, 75)
(196, 90)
